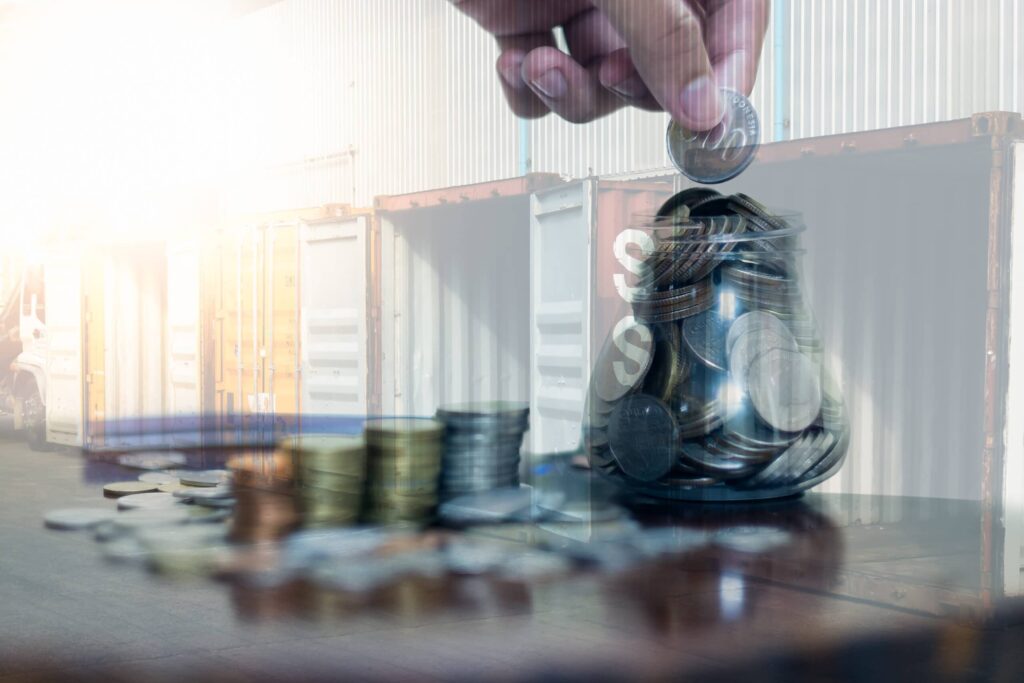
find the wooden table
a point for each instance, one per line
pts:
(867, 588)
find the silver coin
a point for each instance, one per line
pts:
(205, 492)
(784, 463)
(642, 435)
(723, 152)
(754, 345)
(785, 389)
(147, 501)
(831, 459)
(714, 464)
(131, 520)
(158, 478)
(823, 446)
(813, 447)
(749, 322)
(204, 477)
(705, 336)
(73, 519)
(496, 505)
(156, 460)
(624, 360)
(215, 502)
(746, 429)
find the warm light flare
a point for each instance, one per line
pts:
(120, 117)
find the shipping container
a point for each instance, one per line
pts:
(287, 300)
(908, 263)
(101, 324)
(455, 295)
(915, 322)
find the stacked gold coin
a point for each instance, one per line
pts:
(331, 474)
(402, 469)
(264, 488)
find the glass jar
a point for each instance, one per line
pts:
(711, 384)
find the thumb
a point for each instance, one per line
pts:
(666, 43)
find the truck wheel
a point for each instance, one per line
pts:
(34, 418)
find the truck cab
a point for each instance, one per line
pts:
(27, 373)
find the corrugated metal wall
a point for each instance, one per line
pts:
(410, 88)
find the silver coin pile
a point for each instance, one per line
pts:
(720, 394)
(480, 449)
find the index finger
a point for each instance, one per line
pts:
(666, 43)
(735, 34)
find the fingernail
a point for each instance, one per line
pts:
(702, 104)
(631, 88)
(550, 84)
(511, 73)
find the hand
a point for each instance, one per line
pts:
(670, 55)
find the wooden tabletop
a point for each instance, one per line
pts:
(865, 588)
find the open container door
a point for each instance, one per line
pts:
(455, 295)
(62, 314)
(560, 230)
(333, 342)
(184, 366)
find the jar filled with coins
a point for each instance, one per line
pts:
(712, 384)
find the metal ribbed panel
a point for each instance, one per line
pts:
(410, 87)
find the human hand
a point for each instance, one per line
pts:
(670, 55)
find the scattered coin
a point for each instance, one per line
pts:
(158, 478)
(148, 501)
(202, 492)
(126, 488)
(723, 152)
(204, 477)
(73, 519)
(156, 460)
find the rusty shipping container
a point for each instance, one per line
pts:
(504, 290)
(285, 322)
(501, 290)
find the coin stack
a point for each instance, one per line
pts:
(264, 488)
(403, 462)
(331, 474)
(481, 446)
(714, 388)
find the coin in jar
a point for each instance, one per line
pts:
(705, 335)
(723, 152)
(785, 389)
(623, 361)
(642, 437)
(681, 203)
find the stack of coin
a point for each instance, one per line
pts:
(714, 388)
(331, 476)
(403, 463)
(266, 506)
(481, 445)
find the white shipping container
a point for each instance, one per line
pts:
(334, 258)
(183, 357)
(63, 393)
(135, 313)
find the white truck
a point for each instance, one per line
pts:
(23, 353)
